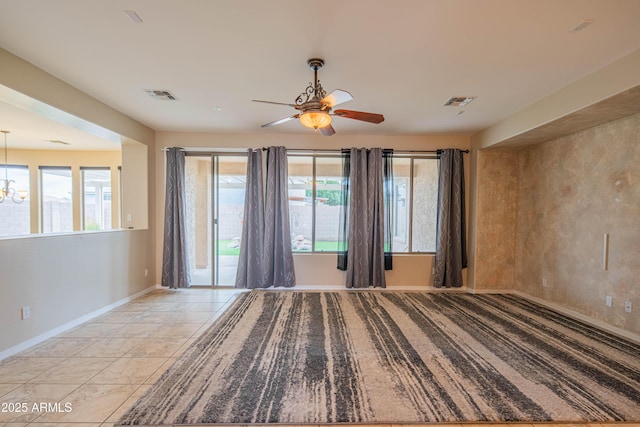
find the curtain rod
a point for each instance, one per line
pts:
(324, 150)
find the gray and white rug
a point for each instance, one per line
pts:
(394, 357)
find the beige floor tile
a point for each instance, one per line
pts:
(185, 330)
(109, 347)
(118, 317)
(193, 317)
(36, 424)
(59, 347)
(21, 370)
(135, 306)
(156, 347)
(136, 330)
(165, 306)
(6, 388)
(118, 413)
(74, 370)
(158, 318)
(161, 370)
(209, 307)
(29, 395)
(128, 370)
(95, 330)
(90, 404)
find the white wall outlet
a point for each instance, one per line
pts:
(608, 300)
(128, 217)
(146, 272)
(544, 283)
(627, 306)
(25, 312)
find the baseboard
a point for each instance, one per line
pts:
(69, 325)
(490, 291)
(580, 316)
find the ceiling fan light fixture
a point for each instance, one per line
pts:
(315, 119)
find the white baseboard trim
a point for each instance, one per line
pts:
(580, 316)
(69, 325)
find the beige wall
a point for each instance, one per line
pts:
(571, 191)
(542, 213)
(312, 269)
(65, 277)
(494, 251)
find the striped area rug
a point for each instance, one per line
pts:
(395, 357)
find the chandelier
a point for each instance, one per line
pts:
(6, 189)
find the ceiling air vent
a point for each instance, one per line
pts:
(161, 95)
(458, 101)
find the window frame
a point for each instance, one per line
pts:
(410, 196)
(41, 170)
(4, 171)
(83, 182)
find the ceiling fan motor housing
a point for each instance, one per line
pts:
(317, 108)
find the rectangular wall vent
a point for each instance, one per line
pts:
(458, 101)
(161, 95)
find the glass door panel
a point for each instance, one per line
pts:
(215, 188)
(198, 173)
(230, 175)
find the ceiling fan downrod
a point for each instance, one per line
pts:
(314, 92)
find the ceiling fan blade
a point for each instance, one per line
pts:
(278, 122)
(327, 130)
(336, 97)
(276, 103)
(360, 115)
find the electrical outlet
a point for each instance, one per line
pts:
(627, 306)
(544, 283)
(146, 272)
(608, 300)
(25, 312)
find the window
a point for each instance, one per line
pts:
(56, 201)
(15, 216)
(425, 205)
(328, 203)
(415, 204)
(301, 202)
(314, 202)
(96, 198)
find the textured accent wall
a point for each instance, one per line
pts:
(571, 191)
(496, 220)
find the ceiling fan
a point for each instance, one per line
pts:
(316, 107)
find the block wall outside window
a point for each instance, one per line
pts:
(56, 199)
(15, 216)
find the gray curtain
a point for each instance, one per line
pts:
(250, 272)
(362, 241)
(175, 266)
(451, 248)
(266, 258)
(277, 256)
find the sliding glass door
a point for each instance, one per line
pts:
(215, 186)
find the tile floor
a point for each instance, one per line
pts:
(90, 375)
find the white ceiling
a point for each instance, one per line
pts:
(401, 58)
